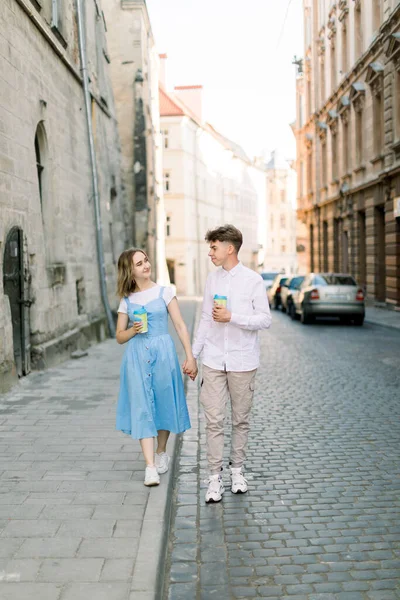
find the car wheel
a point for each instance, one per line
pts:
(305, 318)
(359, 320)
(292, 312)
(283, 309)
(276, 304)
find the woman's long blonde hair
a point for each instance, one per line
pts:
(126, 283)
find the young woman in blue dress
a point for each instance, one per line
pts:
(151, 400)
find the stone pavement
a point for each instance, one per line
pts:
(76, 521)
(321, 520)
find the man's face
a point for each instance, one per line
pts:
(219, 252)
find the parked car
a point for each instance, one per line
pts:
(268, 278)
(287, 289)
(330, 294)
(274, 292)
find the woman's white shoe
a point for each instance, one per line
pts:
(215, 489)
(151, 476)
(162, 462)
(238, 482)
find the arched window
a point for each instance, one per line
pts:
(41, 158)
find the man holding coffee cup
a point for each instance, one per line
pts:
(235, 307)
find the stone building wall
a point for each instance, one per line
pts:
(43, 132)
(348, 141)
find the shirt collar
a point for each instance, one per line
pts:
(233, 271)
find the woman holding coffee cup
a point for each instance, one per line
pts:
(151, 400)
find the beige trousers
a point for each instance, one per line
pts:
(216, 387)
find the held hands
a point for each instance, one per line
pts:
(221, 314)
(190, 368)
(137, 327)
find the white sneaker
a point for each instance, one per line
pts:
(215, 489)
(151, 477)
(238, 482)
(162, 462)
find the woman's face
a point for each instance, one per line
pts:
(141, 266)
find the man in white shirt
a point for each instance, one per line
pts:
(228, 337)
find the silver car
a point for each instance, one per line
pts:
(329, 295)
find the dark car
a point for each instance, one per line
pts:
(287, 289)
(274, 292)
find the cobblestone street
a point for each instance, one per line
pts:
(321, 520)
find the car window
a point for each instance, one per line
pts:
(295, 282)
(268, 275)
(284, 280)
(334, 280)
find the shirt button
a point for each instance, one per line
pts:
(148, 361)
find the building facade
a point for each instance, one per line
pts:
(348, 142)
(135, 75)
(208, 181)
(281, 215)
(50, 299)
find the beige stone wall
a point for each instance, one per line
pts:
(40, 84)
(350, 84)
(132, 48)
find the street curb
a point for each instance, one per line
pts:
(148, 575)
(380, 324)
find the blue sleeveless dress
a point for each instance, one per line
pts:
(151, 395)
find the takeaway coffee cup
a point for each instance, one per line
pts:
(141, 315)
(221, 300)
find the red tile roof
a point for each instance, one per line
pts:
(168, 106)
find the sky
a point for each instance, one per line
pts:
(242, 55)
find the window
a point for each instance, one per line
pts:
(283, 248)
(166, 138)
(312, 262)
(272, 221)
(333, 64)
(39, 168)
(309, 172)
(168, 229)
(398, 105)
(358, 33)
(322, 78)
(325, 244)
(301, 179)
(344, 49)
(324, 161)
(378, 124)
(167, 182)
(283, 196)
(57, 20)
(346, 144)
(359, 137)
(334, 156)
(283, 221)
(377, 8)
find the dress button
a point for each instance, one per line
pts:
(148, 361)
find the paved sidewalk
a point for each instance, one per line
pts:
(73, 508)
(321, 520)
(382, 316)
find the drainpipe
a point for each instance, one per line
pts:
(99, 236)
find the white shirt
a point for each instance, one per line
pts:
(233, 346)
(146, 296)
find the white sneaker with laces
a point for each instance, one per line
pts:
(162, 462)
(215, 489)
(238, 482)
(151, 477)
